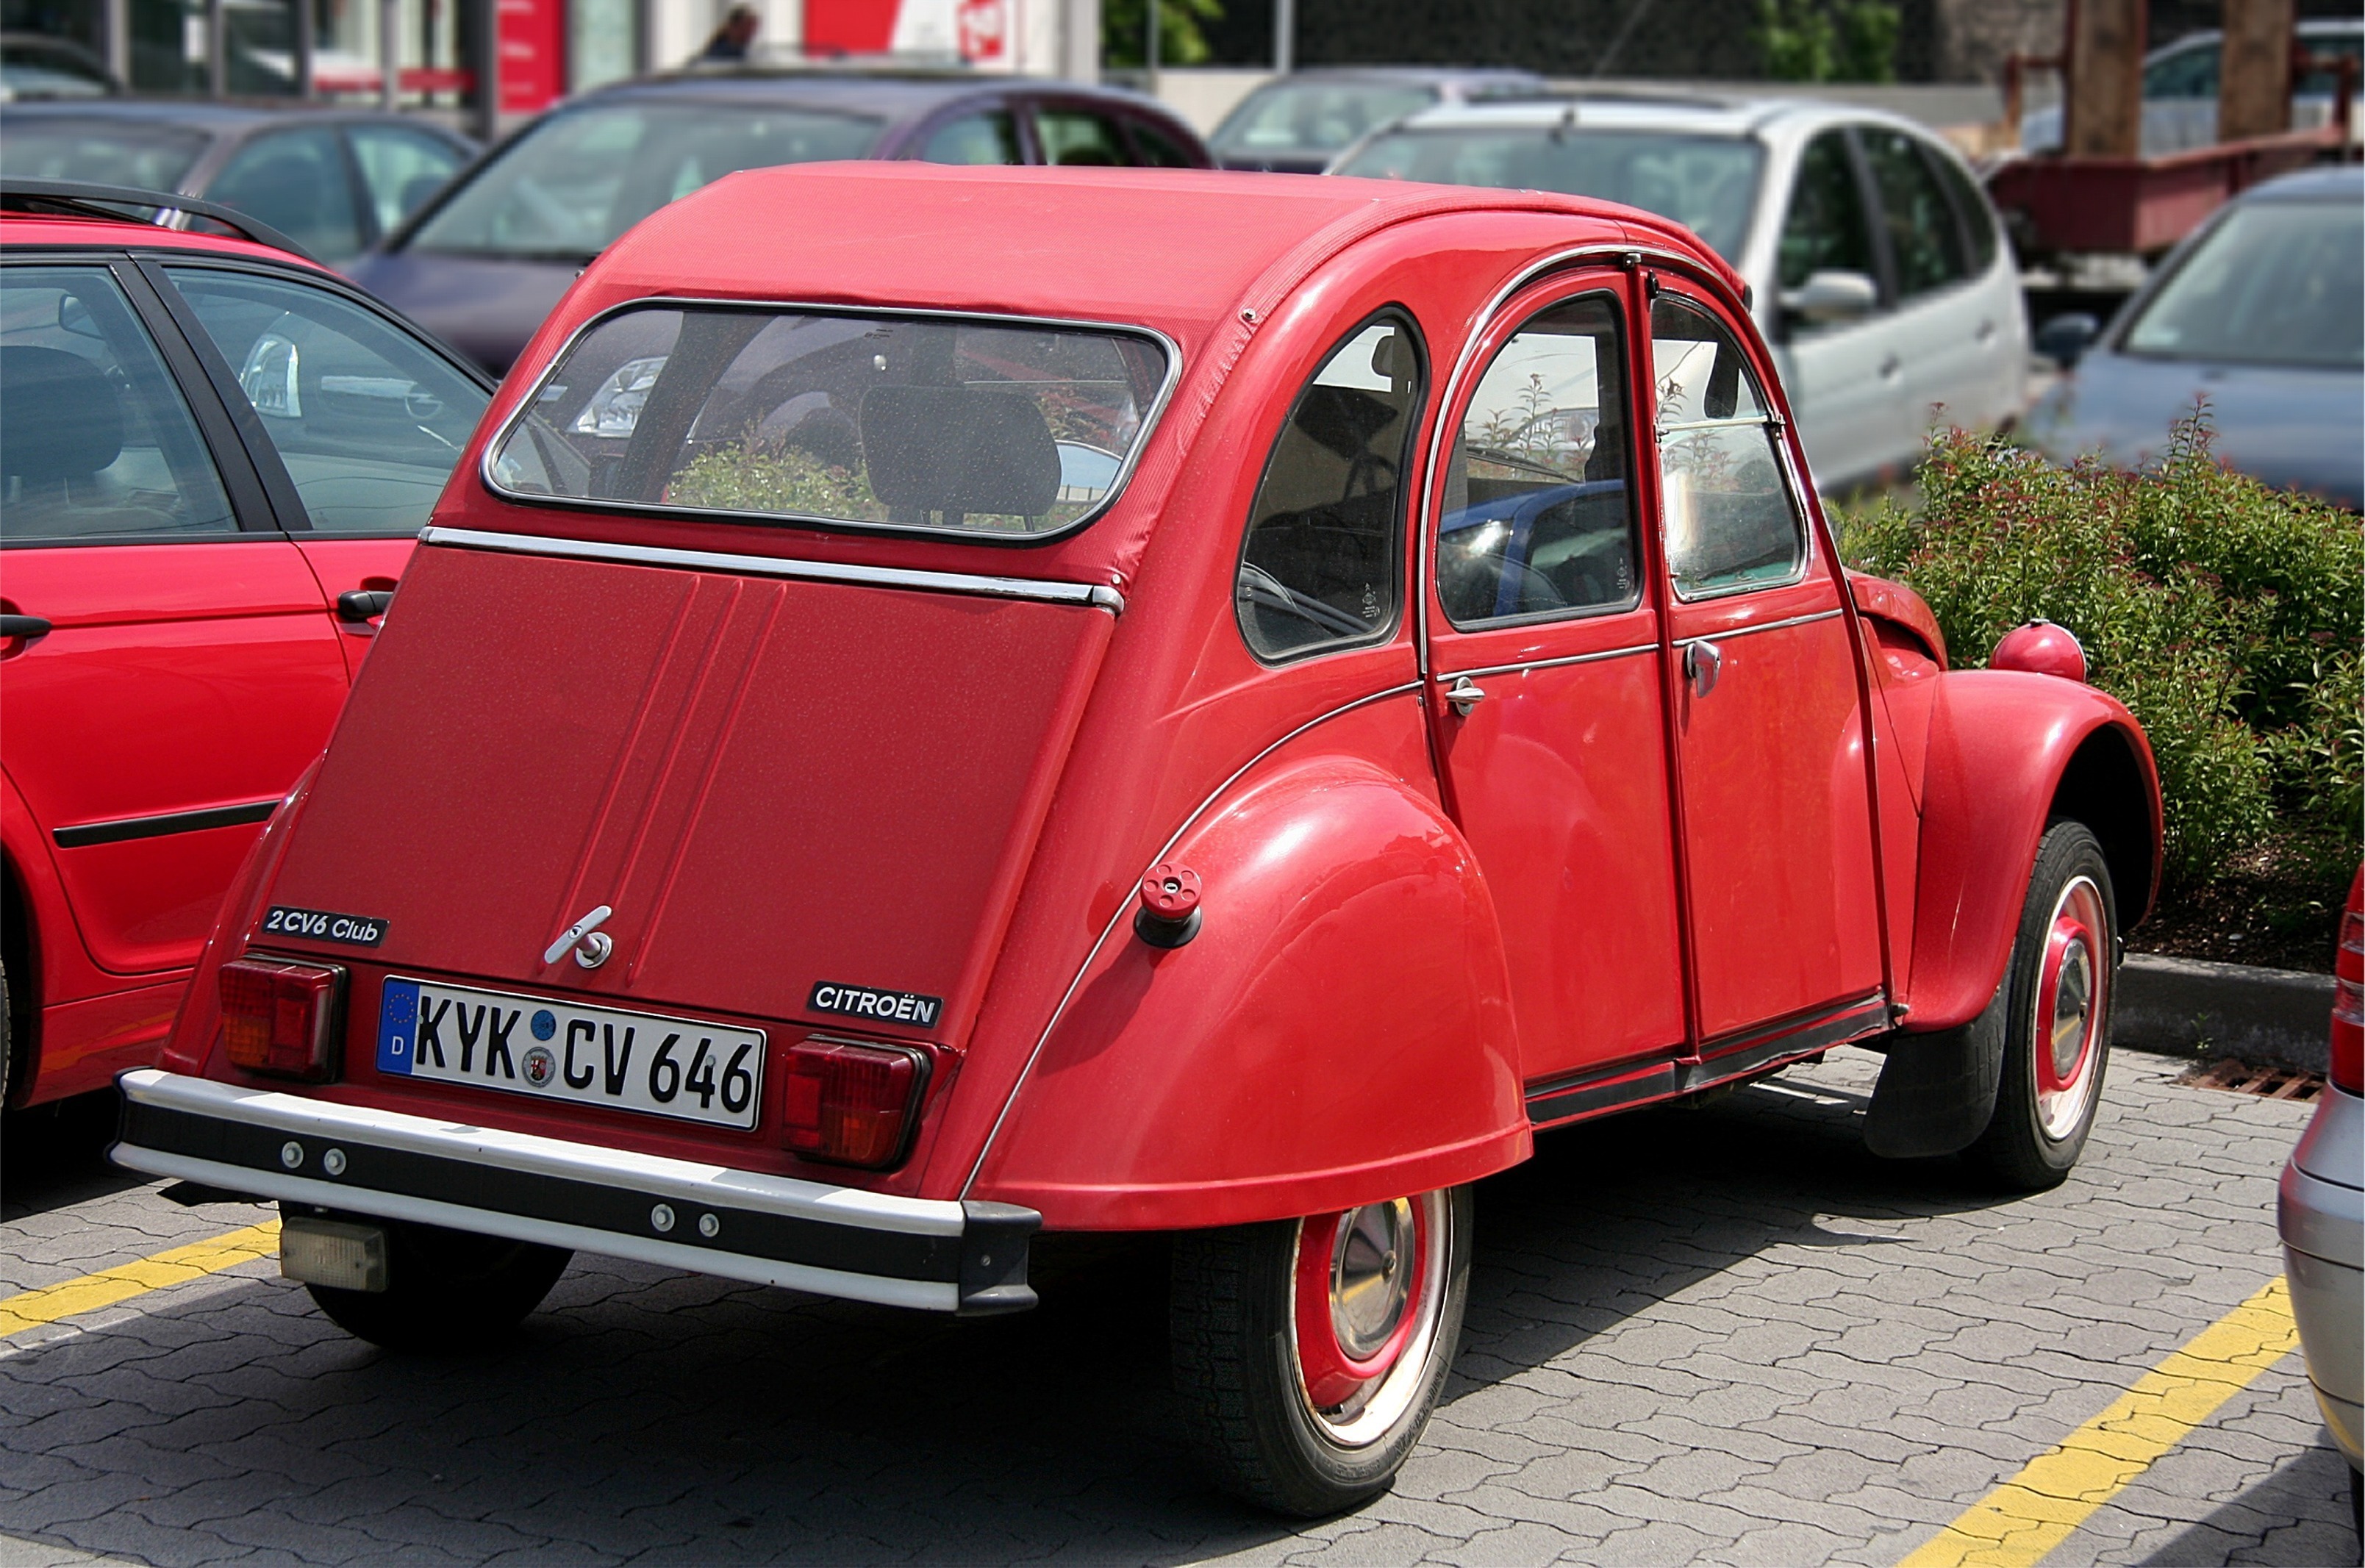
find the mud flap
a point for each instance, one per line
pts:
(1937, 1091)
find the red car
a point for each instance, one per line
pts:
(1082, 700)
(216, 457)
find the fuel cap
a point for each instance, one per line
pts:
(1168, 916)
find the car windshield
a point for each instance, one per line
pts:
(1317, 118)
(1708, 184)
(570, 187)
(974, 426)
(98, 151)
(2276, 283)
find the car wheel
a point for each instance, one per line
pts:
(446, 1290)
(2057, 1019)
(1308, 1353)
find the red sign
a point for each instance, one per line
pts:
(532, 43)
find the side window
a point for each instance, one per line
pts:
(296, 182)
(368, 423)
(2190, 72)
(1921, 232)
(1158, 149)
(1324, 552)
(989, 138)
(1538, 515)
(1825, 228)
(1978, 216)
(96, 438)
(1725, 511)
(402, 168)
(1078, 137)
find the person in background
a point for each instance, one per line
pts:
(729, 45)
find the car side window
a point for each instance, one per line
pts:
(2188, 72)
(1923, 238)
(1726, 516)
(95, 438)
(1978, 218)
(1539, 515)
(1158, 149)
(296, 182)
(1080, 137)
(1825, 229)
(402, 168)
(988, 138)
(366, 422)
(1324, 550)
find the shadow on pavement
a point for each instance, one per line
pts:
(2304, 1506)
(56, 1154)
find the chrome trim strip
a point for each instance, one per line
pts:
(1732, 632)
(930, 1296)
(1093, 594)
(1158, 402)
(534, 1155)
(1124, 911)
(1442, 677)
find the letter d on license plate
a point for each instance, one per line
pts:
(559, 1050)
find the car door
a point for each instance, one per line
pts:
(1777, 825)
(1845, 376)
(1948, 333)
(1545, 693)
(301, 182)
(187, 674)
(401, 169)
(351, 421)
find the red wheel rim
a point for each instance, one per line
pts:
(2066, 1029)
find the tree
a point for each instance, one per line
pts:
(1180, 38)
(1828, 41)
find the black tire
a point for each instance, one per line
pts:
(2019, 1151)
(1237, 1375)
(446, 1290)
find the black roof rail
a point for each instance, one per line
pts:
(83, 200)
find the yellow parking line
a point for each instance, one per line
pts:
(30, 1309)
(2015, 1524)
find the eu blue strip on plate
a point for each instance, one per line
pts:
(398, 1023)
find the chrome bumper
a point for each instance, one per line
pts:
(943, 1255)
(2321, 1213)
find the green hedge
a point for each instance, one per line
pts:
(2226, 615)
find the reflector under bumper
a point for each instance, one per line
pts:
(939, 1255)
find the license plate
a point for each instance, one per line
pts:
(562, 1050)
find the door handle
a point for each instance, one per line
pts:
(1891, 366)
(1464, 694)
(1703, 662)
(26, 626)
(1986, 331)
(363, 604)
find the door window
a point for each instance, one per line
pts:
(1537, 517)
(1923, 238)
(1971, 205)
(402, 168)
(1825, 228)
(1321, 561)
(96, 438)
(1078, 137)
(989, 138)
(1158, 149)
(1725, 508)
(368, 423)
(296, 181)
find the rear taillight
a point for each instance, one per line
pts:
(282, 1017)
(852, 1104)
(2349, 996)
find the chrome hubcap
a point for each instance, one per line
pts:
(1371, 1275)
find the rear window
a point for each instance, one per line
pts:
(98, 151)
(983, 427)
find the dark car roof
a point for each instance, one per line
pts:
(893, 98)
(215, 118)
(1432, 75)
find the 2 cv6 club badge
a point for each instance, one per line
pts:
(1299, 687)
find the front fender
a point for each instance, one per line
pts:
(2008, 753)
(1338, 1032)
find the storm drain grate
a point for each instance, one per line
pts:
(2273, 1083)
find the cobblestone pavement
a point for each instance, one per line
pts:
(1718, 1335)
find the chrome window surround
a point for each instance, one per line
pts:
(524, 411)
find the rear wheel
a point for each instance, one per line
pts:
(2058, 1026)
(1309, 1352)
(446, 1290)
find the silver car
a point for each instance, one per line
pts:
(2322, 1211)
(1879, 269)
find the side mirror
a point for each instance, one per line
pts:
(1829, 297)
(74, 317)
(2064, 340)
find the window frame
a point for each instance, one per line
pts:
(253, 515)
(1776, 426)
(1892, 280)
(1150, 419)
(1402, 525)
(1616, 292)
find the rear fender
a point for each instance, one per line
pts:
(1337, 1032)
(2009, 752)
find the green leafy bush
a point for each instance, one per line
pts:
(2226, 616)
(750, 476)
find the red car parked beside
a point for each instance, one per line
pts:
(216, 458)
(1090, 700)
